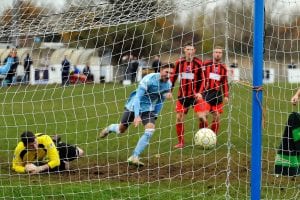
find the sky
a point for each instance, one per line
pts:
(56, 4)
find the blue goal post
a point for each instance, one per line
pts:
(256, 140)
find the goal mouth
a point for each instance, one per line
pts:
(71, 68)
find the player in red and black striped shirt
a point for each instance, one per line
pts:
(216, 86)
(189, 70)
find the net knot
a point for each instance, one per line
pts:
(257, 88)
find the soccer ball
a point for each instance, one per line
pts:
(205, 138)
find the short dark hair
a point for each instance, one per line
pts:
(189, 44)
(167, 65)
(218, 47)
(27, 137)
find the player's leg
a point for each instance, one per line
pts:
(127, 119)
(181, 111)
(180, 129)
(80, 152)
(202, 109)
(148, 119)
(68, 153)
(215, 122)
(216, 112)
(288, 151)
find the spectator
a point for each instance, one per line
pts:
(123, 67)
(292, 65)
(156, 63)
(27, 65)
(37, 153)
(76, 70)
(133, 67)
(88, 74)
(76, 76)
(287, 160)
(234, 64)
(65, 72)
(10, 77)
(8, 63)
(126, 63)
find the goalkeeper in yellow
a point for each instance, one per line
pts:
(37, 153)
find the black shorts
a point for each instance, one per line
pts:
(66, 153)
(187, 101)
(147, 117)
(213, 97)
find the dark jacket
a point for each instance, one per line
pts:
(27, 63)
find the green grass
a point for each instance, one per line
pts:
(79, 112)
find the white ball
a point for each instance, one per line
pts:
(205, 138)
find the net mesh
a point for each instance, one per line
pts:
(113, 35)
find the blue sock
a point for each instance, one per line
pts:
(114, 128)
(143, 142)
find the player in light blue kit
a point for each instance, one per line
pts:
(144, 105)
(10, 60)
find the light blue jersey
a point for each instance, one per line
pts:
(5, 68)
(149, 96)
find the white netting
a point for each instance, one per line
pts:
(113, 35)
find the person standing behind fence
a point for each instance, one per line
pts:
(8, 62)
(156, 63)
(87, 72)
(12, 71)
(133, 68)
(65, 72)
(27, 65)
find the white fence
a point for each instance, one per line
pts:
(107, 74)
(52, 74)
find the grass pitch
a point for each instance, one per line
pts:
(79, 112)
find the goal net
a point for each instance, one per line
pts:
(52, 91)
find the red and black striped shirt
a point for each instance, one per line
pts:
(216, 77)
(191, 77)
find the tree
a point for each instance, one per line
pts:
(20, 19)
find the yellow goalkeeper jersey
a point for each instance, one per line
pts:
(46, 152)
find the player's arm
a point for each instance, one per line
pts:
(159, 104)
(200, 77)
(296, 97)
(52, 155)
(225, 83)
(17, 164)
(174, 75)
(137, 101)
(202, 86)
